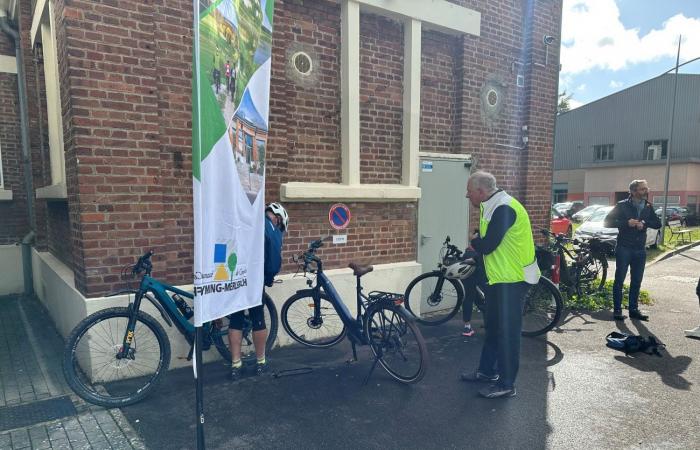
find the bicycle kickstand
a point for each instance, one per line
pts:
(354, 355)
(371, 370)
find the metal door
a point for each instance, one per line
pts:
(443, 208)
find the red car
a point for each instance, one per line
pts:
(560, 224)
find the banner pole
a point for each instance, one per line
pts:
(199, 340)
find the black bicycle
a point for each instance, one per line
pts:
(317, 317)
(116, 356)
(434, 299)
(580, 267)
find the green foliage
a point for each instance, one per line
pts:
(564, 104)
(603, 299)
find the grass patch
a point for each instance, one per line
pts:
(603, 299)
(669, 244)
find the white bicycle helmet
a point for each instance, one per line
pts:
(279, 210)
(461, 269)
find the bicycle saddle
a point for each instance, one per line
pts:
(359, 270)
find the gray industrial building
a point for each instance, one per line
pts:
(601, 146)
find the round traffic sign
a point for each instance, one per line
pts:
(339, 216)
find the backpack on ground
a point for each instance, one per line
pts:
(629, 343)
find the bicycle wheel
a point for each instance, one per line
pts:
(219, 332)
(591, 276)
(543, 307)
(304, 326)
(396, 342)
(432, 298)
(90, 365)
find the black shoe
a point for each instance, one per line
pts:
(236, 373)
(637, 315)
(477, 376)
(617, 315)
(261, 368)
(497, 391)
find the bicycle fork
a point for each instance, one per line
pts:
(126, 352)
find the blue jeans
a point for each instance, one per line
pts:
(504, 320)
(634, 259)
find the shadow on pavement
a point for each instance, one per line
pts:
(329, 407)
(670, 368)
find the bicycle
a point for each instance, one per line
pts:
(581, 270)
(116, 356)
(434, 299)
(317, 317)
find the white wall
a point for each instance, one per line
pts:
(11, 273)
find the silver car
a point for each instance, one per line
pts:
(585, 213)
(593, 227)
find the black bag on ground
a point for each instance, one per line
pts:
(629, 343)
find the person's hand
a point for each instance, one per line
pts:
(474, 236)
(633, 223)
(640, 225)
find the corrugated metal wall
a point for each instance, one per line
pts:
(627, 119)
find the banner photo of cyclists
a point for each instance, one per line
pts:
(230, 103)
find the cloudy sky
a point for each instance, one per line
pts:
(609, 45)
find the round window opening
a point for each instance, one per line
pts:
(492, 97)
(302, 63)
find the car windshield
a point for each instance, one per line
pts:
(599, 215)
(588, 209)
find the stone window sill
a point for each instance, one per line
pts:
(5, 195)
(55, 191)
(329, 192)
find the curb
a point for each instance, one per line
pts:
(673, 253)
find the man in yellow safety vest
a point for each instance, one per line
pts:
(506, 243)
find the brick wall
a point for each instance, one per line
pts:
(381, 99)
(126, 108)
(438, 95)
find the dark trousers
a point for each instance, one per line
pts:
(478, 278)
(634, 260)
(504, 320)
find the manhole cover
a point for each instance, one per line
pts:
(37, 412)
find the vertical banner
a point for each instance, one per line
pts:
(230, 103)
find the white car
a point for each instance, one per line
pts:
(593, 227)
(585, 213)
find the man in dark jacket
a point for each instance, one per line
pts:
(631, 217)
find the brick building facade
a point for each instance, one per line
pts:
(124, 69)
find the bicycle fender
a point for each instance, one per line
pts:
(158, 306)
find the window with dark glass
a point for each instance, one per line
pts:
(604, 152)
(655, 149)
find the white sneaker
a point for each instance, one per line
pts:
(695, 332)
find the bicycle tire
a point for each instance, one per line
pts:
(392, 336)
(320, 336)
(219, 333)
(591, 276)
(433, 315)
(549, 300)
(79, 381)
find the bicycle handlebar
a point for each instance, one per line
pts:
(143, 264)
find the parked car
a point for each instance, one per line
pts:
(560, 224)
(593, 227)
(585, 213)
(674, 213)
(568, 208)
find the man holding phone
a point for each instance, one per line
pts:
(631, 217)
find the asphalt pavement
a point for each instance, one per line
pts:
(573, 392)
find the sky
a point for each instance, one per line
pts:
(610, 45)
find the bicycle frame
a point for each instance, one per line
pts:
(352, 324)
(162, 302)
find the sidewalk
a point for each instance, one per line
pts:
(37, 409)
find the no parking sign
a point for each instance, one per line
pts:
(339, 216)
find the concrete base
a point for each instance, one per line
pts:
(54, 285)
(11, 273)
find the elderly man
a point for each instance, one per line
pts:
(505, 241)
(631, 217)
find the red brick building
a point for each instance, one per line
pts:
(108, 96)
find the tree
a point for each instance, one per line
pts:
(564, 104)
